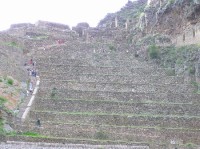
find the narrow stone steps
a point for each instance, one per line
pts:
(117, 108)
(154, 121)
(121, 96)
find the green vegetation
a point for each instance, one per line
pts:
(31, 134)
(192, 70)
(170, 72)
(146, 41)
(10, 81)
(6, 80)
(28, 133)
(196, 85)
(171, 1)
(53, 93)
(1, 126)
(184, 58)
(112, 48)
(149, 40)
(154, 52)
(2, 100)
(12, 44)
(101, 135)
(190, 146)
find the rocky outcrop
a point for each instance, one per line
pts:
(171, 17)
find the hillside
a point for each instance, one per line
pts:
(131, 82)
(168, 29)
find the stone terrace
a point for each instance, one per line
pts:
(91, 94)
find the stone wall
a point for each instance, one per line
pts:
(116, 119)
(46, 24)
(134, 79)
(123, 108)
(191, 35)
(119, 87)
(122, 96)
(21, 26)
(115, 133)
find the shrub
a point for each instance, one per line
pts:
(153, 51)
(196, 85)
(10, 81)
(112, 48)
(170, 72)
(190, 146)
(14, 44)
(101, 135)
(147, 40)
(1, 126)
(2, 100)
(53, 92)
(192, 70)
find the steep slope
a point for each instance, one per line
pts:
(124, 82)
(96, 91)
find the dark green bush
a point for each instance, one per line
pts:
(101, 135)
(192, 70)
(112, 48)
(10, 81)
(170, 72)
(2, 100)
(53, 92)
(154, 52)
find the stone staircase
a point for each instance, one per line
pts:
(93, 95)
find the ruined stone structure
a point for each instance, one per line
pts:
(100, 93)
(52, 25)
(95, 89)
(190, 35)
